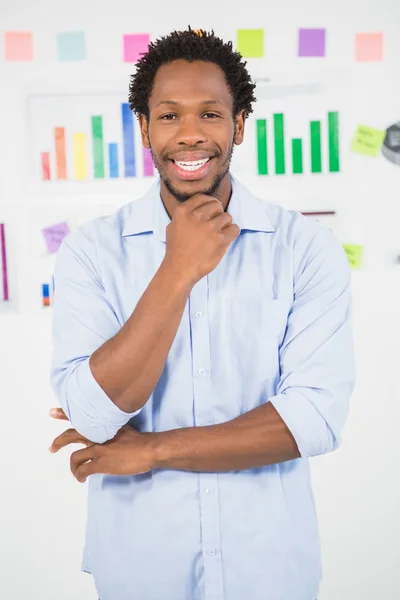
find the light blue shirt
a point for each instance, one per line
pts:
(271, 323)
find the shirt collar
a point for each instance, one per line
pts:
(148, 214)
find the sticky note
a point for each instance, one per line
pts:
(369, 47)
(367, 140)
(71, 45)
(312, 42)
(354, 254)
(18, 45)
(54, 235)
(135, 45)
(250, 43)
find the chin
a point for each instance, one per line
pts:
(182, 191)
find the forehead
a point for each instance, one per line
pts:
(189, 83)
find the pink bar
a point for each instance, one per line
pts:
(46, 166)
(4, 261)
(148, 165)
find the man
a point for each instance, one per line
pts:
(202, 353)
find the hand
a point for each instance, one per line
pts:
(128, 453)
(198, 237)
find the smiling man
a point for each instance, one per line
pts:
(202, 353)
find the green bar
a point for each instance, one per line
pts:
(297, 155)
(262, 147)
(333, 127)
(315, 136)
(279, 144)
(98, 149)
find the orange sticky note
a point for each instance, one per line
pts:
(369, 47)
(18, 45)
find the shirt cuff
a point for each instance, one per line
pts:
(103, 408)
(305, 423)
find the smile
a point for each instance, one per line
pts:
(191, 170)
(192, 165)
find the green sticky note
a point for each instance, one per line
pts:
(354, 254)
(250, 43)
(367, 140)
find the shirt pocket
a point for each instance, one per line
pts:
(257, 327)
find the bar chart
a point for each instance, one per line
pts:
(86, 138)
(279, 155)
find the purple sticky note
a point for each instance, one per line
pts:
(135, 45)
(312, 42)
(54, 235)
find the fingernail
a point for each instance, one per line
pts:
(51, 449)
(53, 411)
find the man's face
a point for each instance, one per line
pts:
(191, 131)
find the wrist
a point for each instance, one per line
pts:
(176, 277)
(159, 449)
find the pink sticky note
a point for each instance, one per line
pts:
(369, 47)
(135, 45)
(18, 45)
(54, 235)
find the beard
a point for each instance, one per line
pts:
(213, 188)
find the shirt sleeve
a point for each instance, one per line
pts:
(317, 355)
(83, 319)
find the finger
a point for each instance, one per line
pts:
(199, 200)
(70, 436)
(80, 457)
(88, 468)
(222, 221)
(209, 210)
(58, 413)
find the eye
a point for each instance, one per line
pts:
(168, 117)
(211, 115)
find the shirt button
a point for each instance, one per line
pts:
(212, 552)
(198, 314)
(201, 371)
(209, 491)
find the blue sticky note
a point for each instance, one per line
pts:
(71, 45)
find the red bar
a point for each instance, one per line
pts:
(46, 166)
(61, 161)
(4, 261)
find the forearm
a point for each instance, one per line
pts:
(257, 438)
(129, 365)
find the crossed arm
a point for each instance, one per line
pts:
(304, 418)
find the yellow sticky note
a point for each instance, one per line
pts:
(367, 140)
(250, 43)
(354, 254)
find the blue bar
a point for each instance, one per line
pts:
(113, 159)
(46, 294)
(129, 143)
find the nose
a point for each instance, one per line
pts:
(190, 132)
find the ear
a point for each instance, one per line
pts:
(144, 130)
(240, 120)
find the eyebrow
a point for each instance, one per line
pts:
(175, 103)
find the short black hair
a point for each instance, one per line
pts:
(191, 45)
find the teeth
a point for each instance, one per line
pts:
(192, 165)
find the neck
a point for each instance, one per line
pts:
(223, 194)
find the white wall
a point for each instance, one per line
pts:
(42, 507)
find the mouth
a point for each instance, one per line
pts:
(192, 169)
